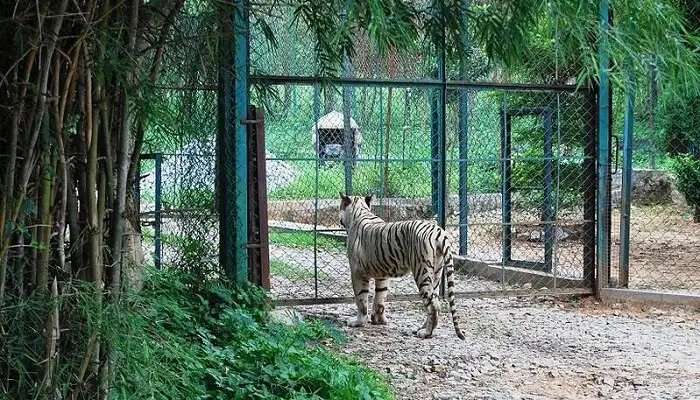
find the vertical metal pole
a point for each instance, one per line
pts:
(317, 112)
(463, 133)
(380, 154)
(348, 133)
(348, 137)
(603, 232)
(434, 148)
(232, 146)
(548, 214)
(158, 252)
(627, 146)
(506, 186)
(589, 186)
(442, 135)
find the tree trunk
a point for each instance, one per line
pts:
(696, 217)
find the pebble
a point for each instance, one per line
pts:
(612, 356)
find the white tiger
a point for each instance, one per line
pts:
(382, 250)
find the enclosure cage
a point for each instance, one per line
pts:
(508, 162)
(331, 138)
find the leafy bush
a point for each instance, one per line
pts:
(687, 170)
(681, 123)
(183, 339)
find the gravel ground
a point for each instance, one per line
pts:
(532, 349)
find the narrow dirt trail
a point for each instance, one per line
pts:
(532, 349)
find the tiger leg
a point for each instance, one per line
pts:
(360, 285)
(424, 280)
(381, 289)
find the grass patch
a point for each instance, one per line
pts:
(294, 272)
(301, 239)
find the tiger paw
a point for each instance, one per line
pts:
(379, 319)
(423, 333)
(354, 322)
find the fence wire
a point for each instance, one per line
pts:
(519, 157)
(544, 238)
(664, 246)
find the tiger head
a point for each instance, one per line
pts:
(348, 205)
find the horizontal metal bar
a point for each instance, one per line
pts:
(470, 161)
(250, 121)
(427, 83)
(559, 223)
(150, 156)
(462, 295)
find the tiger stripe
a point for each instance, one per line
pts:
(380, 250)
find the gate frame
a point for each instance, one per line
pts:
(231, 142)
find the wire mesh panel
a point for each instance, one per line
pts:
(520, 175)
(503, 157)
(391, 160)
(540, 141)
(178, 215)
(664, 234)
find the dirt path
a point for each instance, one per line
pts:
(533, 349)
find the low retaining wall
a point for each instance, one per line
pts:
(614, 295)
(512, 275)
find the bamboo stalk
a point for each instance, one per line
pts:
(123, 159)
(53, 333)
(91, 141)
(44, 217)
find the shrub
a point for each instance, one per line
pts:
(687, 170)
(181, 338)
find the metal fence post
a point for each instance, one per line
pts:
(158, 252)
(463, 134)
(626, 195)
(549, 216)
(434, 149)
(232, 149)
(348, 133)
(589, 186)
(442, 136)
(506, 187)
(603, 232)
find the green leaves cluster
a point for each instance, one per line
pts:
(184, 339)
(221, 339)
(687, 170)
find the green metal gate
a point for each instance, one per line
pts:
(508, 168)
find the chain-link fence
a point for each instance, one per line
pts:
(664, 245)
(179, 222)
(504, 158)
(518, 181)
(507, 167)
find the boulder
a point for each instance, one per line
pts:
(649, 187)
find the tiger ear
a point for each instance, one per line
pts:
(344, 200)
(368, 199)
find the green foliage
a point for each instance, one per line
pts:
(641, 29)
(195, 253)
(295, 272)
(302, 239)
(184, 339)
(687, 170)
(681, 124)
